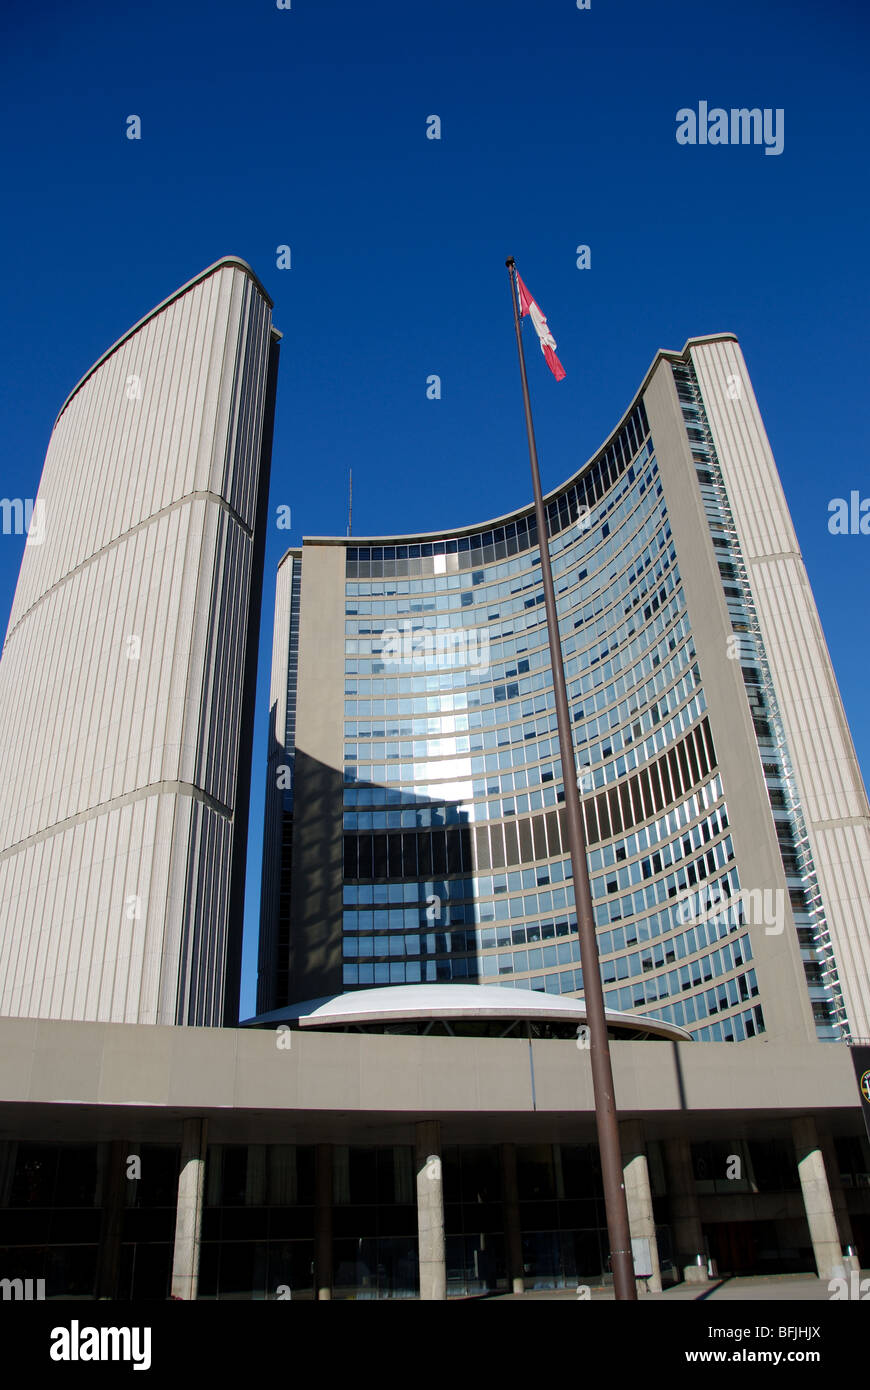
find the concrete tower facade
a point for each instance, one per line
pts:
(726, 819)
(128, 672)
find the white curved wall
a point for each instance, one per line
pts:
(826, 767)
(121, 678)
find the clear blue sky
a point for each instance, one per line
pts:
(262, 127)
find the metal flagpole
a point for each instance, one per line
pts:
(606, 1118)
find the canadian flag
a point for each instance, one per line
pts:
(548, 342)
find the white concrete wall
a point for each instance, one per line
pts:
(825, 764)
(119, 774)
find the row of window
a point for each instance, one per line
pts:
(464, 600)
(358, 756)
(457, 889)
(483, 887)
(671, 886)
(409, 817)
(451, 913)
(503, 618)
(736, 1028)
(728, 994)
(664, 782)
(596, 480)
(460, 659)
(669, 854)
(528, 904)
(458, 772)
(415, 972)
(656, 929)
(648, 836)
(393, 718)
(481, 650)
(407, 946)
(394, 724)
(359, 702)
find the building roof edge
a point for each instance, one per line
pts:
(158, 308)
(447, 532)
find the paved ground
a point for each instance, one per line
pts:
(774, 1288)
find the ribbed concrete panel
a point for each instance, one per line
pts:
(825, 764)
(123, 671)
(791, 630)
(84, 912)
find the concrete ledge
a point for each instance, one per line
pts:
(208, 1069)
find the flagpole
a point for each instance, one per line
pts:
(606, 1117)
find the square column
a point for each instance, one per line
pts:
(685, 1217)
(513, 1233)
(641, 1220)
(838, 1201)
(819, 1207)
(188, 1218)
(114, 1160)
(430, 1211)
(323, 1223)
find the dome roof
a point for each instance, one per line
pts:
(410, 1003)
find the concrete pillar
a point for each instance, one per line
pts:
(323, 1223)
(513, 1233)
(188, 1216)
(688, 1234)
(112, 1199)
(430, 1211)
(817, 1198)
(838, 1201)
(638, 1195)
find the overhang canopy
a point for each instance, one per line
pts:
(395, 1004)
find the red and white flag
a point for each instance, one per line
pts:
(548, 342)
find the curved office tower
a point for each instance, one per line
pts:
(128, 672)
(726, 819)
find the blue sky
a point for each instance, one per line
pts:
(307, 127)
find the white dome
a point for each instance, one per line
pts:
(409, 1003)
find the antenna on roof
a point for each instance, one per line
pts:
(350, 506)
